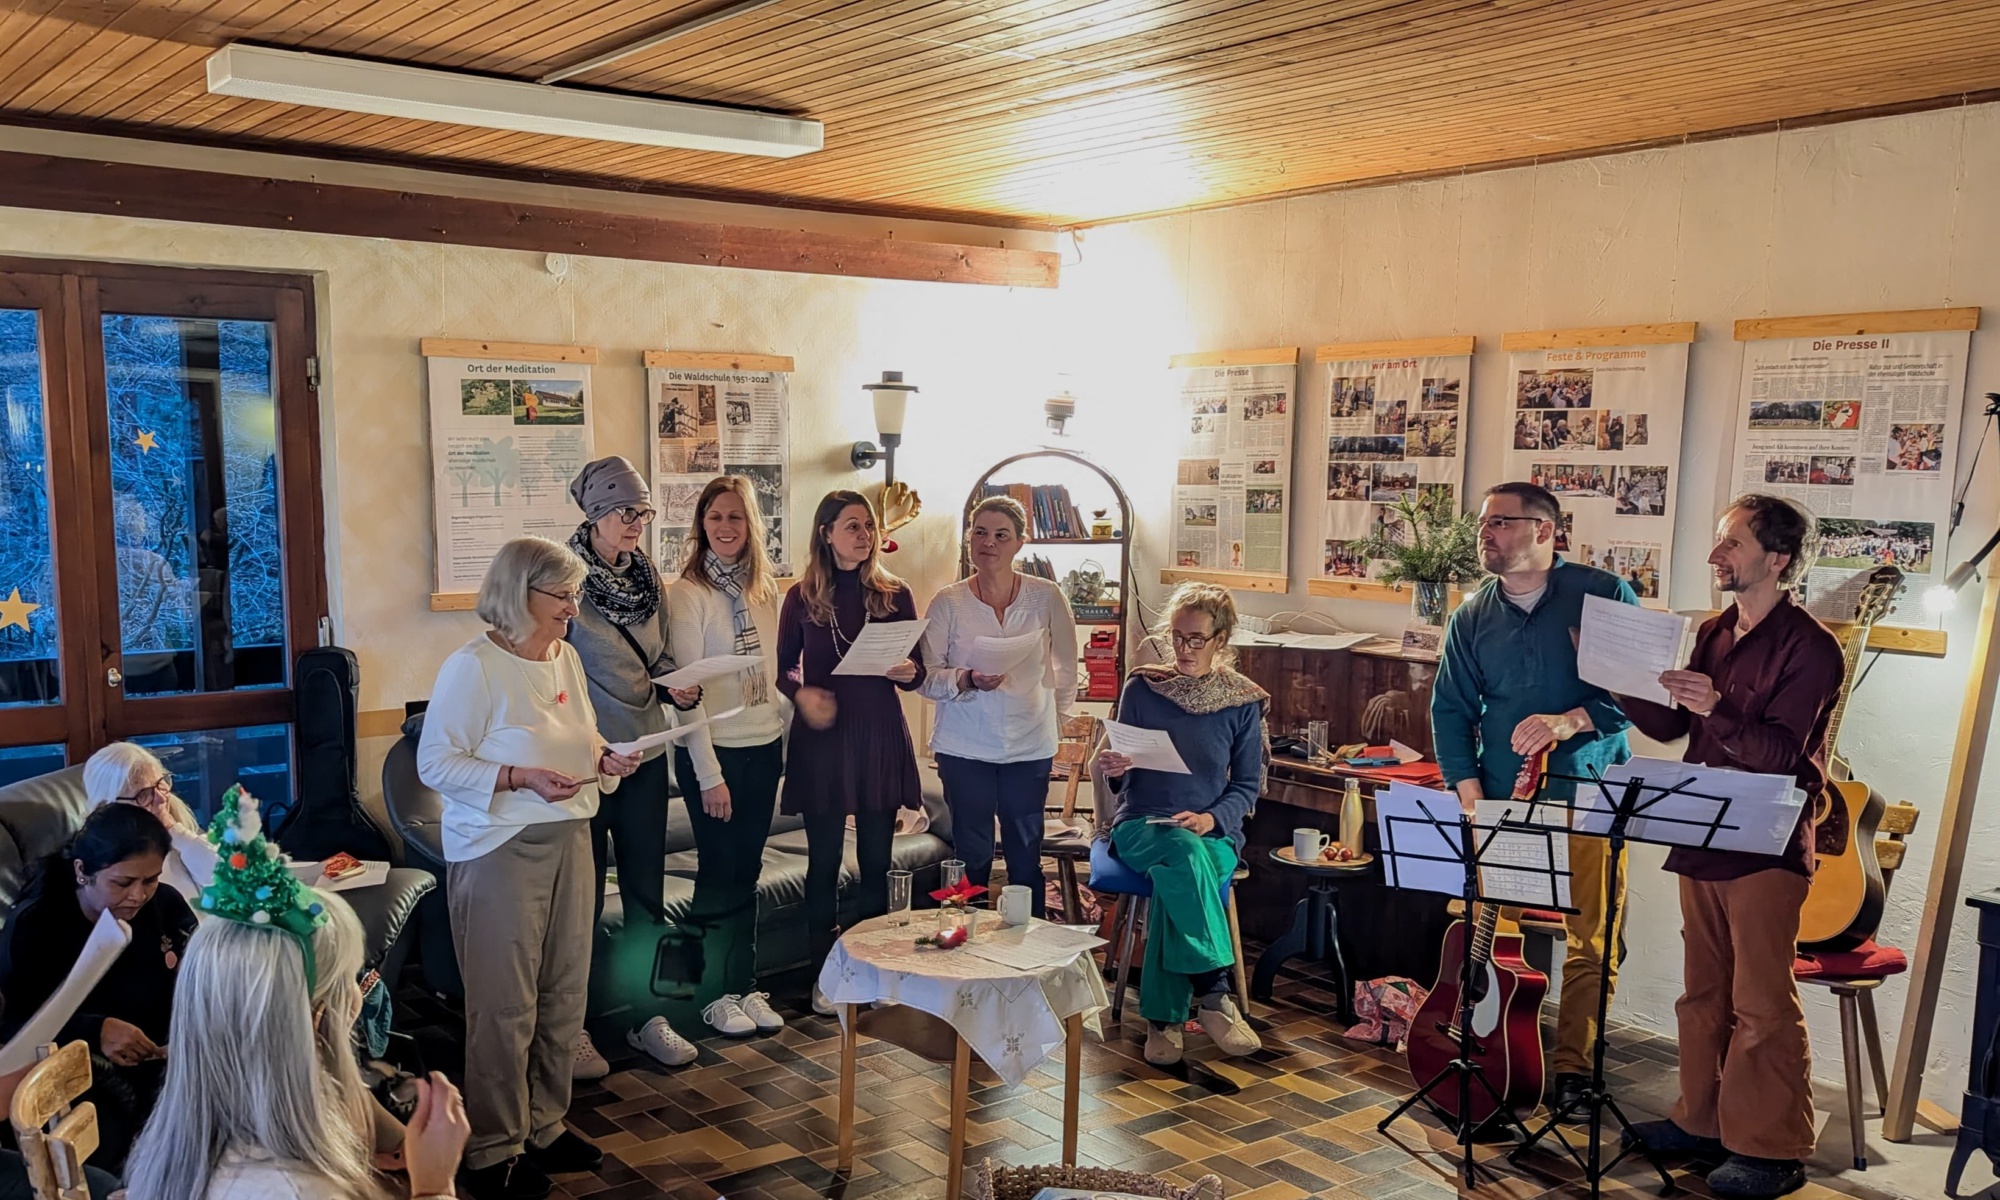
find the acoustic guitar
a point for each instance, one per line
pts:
(1507, 998)
(1843, 907)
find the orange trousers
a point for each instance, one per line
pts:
(1746, 1061)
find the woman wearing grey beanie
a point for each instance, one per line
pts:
(620, 634)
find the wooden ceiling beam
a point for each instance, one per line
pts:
(209, 197)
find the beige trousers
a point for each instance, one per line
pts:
(1576, 1014)
(520, 920)
(1746, 1060)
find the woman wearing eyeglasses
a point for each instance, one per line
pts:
(621, 637)
(510, 741)
(128, 773)
(1185, 832)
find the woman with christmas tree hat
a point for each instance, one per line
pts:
(262, 1096)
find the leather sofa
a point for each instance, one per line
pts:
(623, 965)
(38, 815)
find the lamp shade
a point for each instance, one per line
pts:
(891, 395)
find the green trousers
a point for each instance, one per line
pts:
(1187, 928)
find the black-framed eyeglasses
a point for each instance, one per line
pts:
(570, 598)
(1193, 641)
(158, 787)
(635, 516)
(1498, 523)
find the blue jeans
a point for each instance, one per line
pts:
(1014, 792)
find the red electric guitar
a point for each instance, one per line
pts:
(1506, 1014)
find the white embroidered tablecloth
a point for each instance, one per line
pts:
(1013, 1019)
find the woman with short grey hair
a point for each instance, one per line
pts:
(510, 741)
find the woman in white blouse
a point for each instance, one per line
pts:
(128, 773)
(510, 741)
(995, 736)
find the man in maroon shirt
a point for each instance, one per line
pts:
(1755, 697)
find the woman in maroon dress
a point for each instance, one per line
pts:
(850, 752)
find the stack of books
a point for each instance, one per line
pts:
(1052, 516)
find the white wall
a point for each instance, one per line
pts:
(1882, 214)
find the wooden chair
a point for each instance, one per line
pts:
(54, 1137)
(1079, 741)
(1852, 976)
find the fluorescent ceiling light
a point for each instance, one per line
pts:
(351, 85)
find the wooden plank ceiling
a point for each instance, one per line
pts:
(1030, 111)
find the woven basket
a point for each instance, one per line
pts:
(1021, 1183)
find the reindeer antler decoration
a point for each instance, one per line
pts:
(900, 505)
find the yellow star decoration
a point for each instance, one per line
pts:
(147, 441)
(14, 610)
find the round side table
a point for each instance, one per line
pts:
(1315, 930)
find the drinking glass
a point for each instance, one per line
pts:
(899, 897)
(952, 872)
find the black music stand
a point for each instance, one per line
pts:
(1453, 839)
(1633, 799)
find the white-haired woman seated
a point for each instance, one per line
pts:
(510, 741)
(262, 1099)
(128, 773)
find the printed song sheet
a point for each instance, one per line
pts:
(1624, 649)
(880, 646)
(1233, 488)
(687, 726)
(707, 422)
(1600, 426)
(1395, 431)
(1000, 655)
(1148, 748)
(1761, 813)
(108, 939)
(1863, 432)
(1423, 848)
(506, 438)
(702, 670)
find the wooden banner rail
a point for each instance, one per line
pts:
(513, 351)
(1602, 335)
(1912, 320)
(1436, 347)
(1242, 581)
(1276, 357)
(702, 360)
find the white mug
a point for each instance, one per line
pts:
(1017, 903)
(1307, 844)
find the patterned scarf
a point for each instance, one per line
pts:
(625, 597)
(1199, 695)
(729, 579)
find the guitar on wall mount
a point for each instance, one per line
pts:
(1507, 998)
(1843, 907)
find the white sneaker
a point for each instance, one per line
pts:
(589, 1064)
(1163, 1046)
(658, 1039)
(757, 1006)
(1228, 1030)
(822, 1005)
(725, 1015)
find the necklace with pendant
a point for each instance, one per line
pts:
(561, 696)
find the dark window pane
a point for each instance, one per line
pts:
(205, 763)
(27, 559)
(26, 762)
(193, 428)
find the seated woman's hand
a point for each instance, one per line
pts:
(1195, 822)
(818, 706)
(552, 786)
(436, 1139)
(126, 1044)
(616, 765)
(1112, 763)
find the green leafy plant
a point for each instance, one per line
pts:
(1428, 542)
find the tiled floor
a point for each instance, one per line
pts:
(755, 1119)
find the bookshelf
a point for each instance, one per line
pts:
(1063, 489)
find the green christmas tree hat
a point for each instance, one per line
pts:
(253, 882)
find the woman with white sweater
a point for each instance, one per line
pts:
(128, 773)
(995, 736)
(510, 741)
(725, 602)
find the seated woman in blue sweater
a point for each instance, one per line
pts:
(1185, 832)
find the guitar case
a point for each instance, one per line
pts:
(326, 816)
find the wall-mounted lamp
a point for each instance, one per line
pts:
(891, 395)
(1941, 598)
(1058, 409)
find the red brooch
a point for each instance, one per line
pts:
(562, 697)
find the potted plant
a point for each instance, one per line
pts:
(1430, 546)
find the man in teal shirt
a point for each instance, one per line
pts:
(1506, 689)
